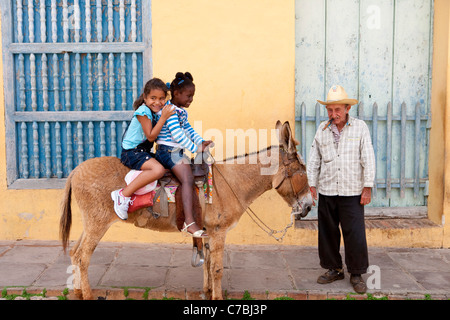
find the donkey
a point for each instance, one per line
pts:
(236, 186)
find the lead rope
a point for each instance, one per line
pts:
(271, 232)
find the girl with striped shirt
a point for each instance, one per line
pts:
(175, 136)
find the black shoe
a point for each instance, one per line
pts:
(330, 276)
(358, 283)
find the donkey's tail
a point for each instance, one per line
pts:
(66, 213)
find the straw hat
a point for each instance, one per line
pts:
(337, 95)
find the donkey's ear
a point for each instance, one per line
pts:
(287, 140)
(284, 136)
(278, 126)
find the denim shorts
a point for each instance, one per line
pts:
(170, 156)
(135, 158)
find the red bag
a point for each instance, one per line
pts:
(141, 201)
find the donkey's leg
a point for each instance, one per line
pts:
(75, 258)
(80, 260)
(89, 244)
(76, 245)
(207, 284)
(87, 249)
(216, 248)
(91, 238)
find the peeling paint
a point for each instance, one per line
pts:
(27, 216)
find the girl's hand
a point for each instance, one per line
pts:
(167, 111)
(205, 145)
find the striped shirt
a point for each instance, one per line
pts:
(343, 168)
(177, 131)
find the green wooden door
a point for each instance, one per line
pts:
(380, 52)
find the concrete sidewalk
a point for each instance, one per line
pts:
(156, 271)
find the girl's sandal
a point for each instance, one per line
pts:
(196, 234)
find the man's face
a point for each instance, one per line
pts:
(338, 113)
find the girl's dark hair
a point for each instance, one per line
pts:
(154, 83)
(181, 81)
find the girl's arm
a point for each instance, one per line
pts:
(146, 124)
(178, 134)
(194, 136)
(190, 132)
(166, 112)
(152, 132)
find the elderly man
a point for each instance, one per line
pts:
(341, 168)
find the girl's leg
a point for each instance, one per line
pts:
(151, 170)
(184, 174)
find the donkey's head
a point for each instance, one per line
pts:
(291, 180)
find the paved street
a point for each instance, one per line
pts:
(155, 271)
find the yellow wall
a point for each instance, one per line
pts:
(445, 98)
(438, 102)
(241, 54)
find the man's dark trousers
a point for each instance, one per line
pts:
(349, 213)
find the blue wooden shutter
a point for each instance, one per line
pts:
(380, 52)
(72, 70)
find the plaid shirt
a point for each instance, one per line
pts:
(342, 168)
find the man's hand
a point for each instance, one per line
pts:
(313, 194)
(366, 196)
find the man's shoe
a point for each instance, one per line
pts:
(330, 276)
(358, 283)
